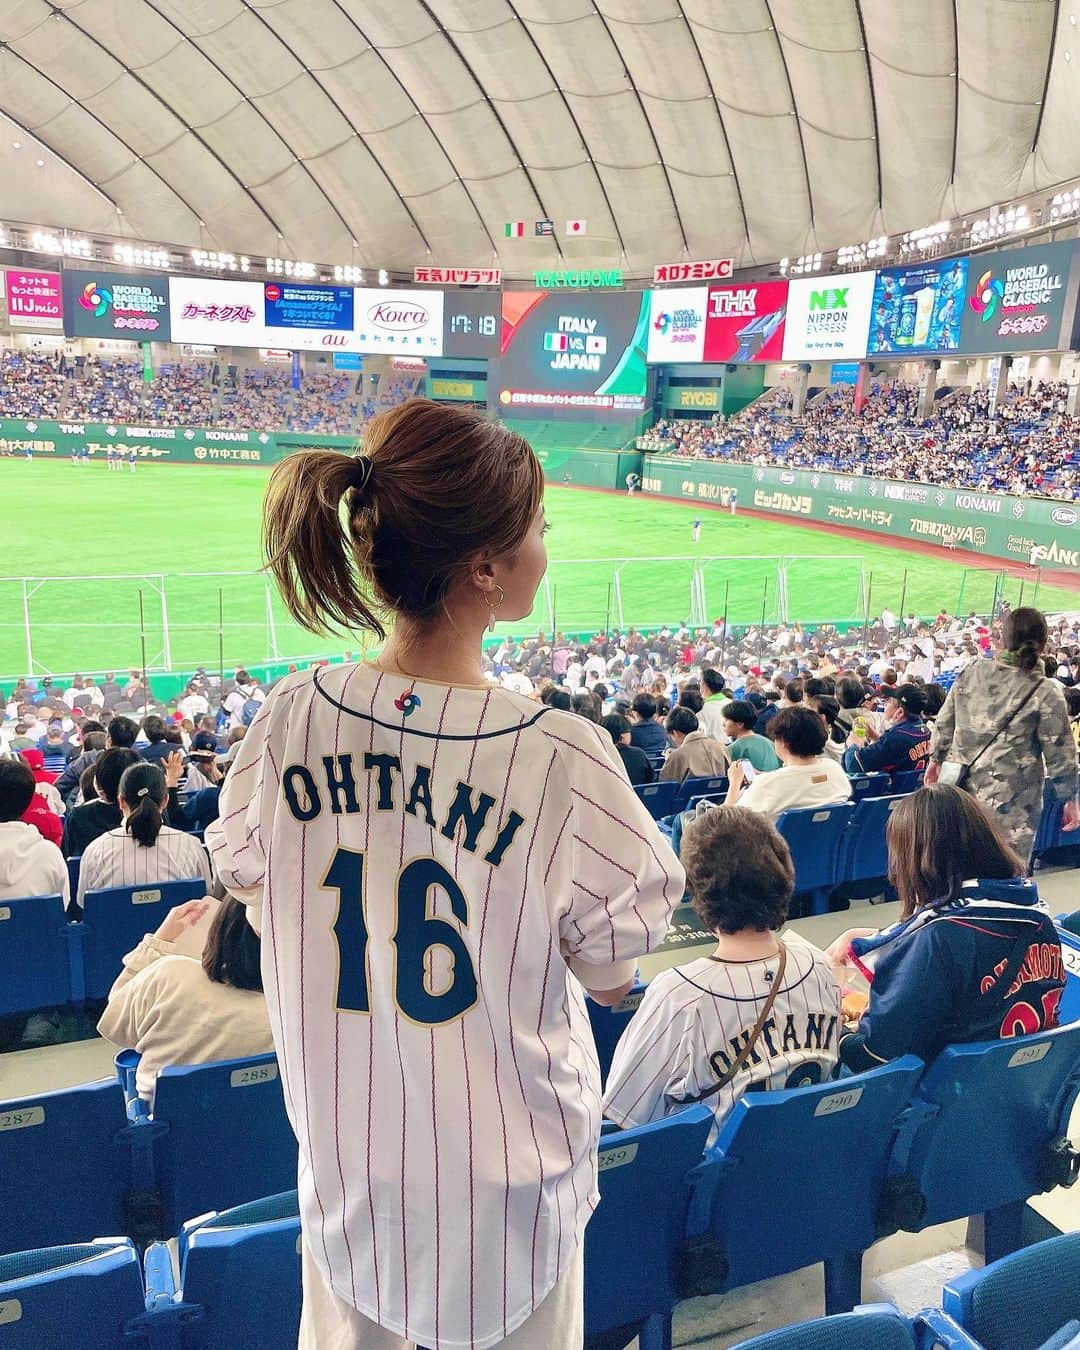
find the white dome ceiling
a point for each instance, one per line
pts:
(675, 128)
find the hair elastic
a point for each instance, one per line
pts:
(364, 467)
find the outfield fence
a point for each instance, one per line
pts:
(179, 621)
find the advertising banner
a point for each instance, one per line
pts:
(746, 322)
(471, 323)
(1015, 300)
(221, 313)
(564, 353)
(410, 322)
(677, 324)
(116, 305)
(714, 269)
(828, 318)
(691, 396)
(918, 309)
(469, 391)
(1018, 529)
(34, 299)
(457, 276)
(324, 308)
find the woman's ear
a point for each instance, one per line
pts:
(482, 576)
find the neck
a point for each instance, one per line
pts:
(447, 651)
(748, 945)
(744, 731)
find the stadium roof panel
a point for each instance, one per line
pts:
(757, 129)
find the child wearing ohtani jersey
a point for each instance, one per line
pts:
(692, 1038)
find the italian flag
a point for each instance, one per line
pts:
(514, 229)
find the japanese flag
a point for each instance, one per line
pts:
(576, 227)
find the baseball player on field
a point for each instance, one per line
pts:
(440, 868)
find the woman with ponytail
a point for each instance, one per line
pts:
(439, 867)
(143, 850)
(1004, 730)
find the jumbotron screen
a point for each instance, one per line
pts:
(565, 353)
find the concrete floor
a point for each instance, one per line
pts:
(907, 1269)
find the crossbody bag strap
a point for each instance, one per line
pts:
(1008, 722)
(755, 1035)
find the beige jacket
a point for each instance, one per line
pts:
(699, 756)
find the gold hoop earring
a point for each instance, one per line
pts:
(493, 609)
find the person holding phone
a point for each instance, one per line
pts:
(806, 777)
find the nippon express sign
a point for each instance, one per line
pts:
(828, 318)
(1015, 300)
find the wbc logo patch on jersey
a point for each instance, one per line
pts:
(406, 702)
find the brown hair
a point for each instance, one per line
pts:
(738, 870)
(435, 490)
(232, 952)
(1025, 633)
(938, 838)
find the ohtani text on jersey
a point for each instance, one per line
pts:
(305, 800)
(817, 1035)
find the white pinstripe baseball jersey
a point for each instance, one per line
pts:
(428, 859)
(694, 1019)
(117, 859)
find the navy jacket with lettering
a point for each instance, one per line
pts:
(985, 967)
(904, 746)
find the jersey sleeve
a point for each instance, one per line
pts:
(235, 840)
(911, 1003)
(650, 1058)
(624, 878)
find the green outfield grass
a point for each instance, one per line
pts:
(71, 523)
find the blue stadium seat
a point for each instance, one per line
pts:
(864, 856)
(1014, 1098)
(79, 1296)
(35, 954)
(874, 1326)
(239, 1276)
(794, 1178)
(632, 1240)
(1021, 1300)
(870, 785)
(908, 780)
(608, 1024)
(659, 798)
(700, 787)
(116, 920)
(65, 1166)
(814, 836)
(219, 1136)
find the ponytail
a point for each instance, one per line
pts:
(435, 489)
(308, 547)
(143, 791)
(1025, 635)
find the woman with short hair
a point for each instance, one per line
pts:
(678, 1046)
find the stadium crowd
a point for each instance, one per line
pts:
(786, 717)
(191, 393)
(1028, 446)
